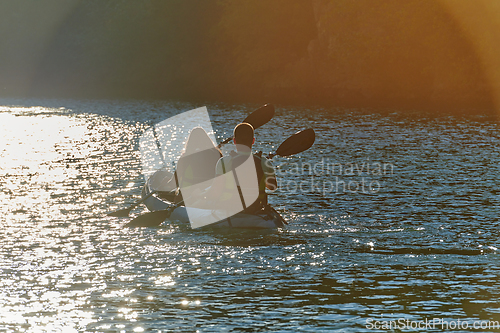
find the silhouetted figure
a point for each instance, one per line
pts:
(196, 164)
(246, 178)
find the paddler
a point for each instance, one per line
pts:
(196, 166)
(222, 191)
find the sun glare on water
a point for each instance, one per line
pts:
(33, 145)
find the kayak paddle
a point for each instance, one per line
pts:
(295, 144)
(257, 118)
(152, 219)
(124, 212)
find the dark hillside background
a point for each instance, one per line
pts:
(415, 54)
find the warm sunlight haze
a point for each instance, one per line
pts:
(250, 166)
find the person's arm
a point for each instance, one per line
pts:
(217, 185)
(271, 182)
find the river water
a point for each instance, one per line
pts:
(392, 217)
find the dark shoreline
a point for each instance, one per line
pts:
(411, 55)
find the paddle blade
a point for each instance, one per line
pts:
(297, 143)
(120, 213)
(260, 116)
(151, 219)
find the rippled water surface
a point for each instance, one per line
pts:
(390, 216)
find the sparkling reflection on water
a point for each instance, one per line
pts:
(423, 246)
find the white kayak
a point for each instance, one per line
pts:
(268, 218)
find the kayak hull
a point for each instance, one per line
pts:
(268, 218)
